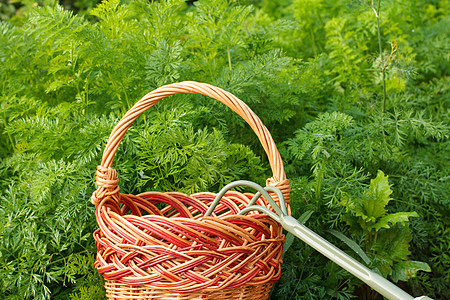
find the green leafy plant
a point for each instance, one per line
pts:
(320, 137)
(385, 235)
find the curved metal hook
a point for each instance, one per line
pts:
(261, 191)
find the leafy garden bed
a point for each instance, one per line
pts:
(355, 94)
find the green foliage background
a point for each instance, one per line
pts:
(311, 69)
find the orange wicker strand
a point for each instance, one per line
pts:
(162, 246)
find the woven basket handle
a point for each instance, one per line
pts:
(107, 181)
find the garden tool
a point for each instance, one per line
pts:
(290, 224)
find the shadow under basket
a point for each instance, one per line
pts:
(162, 246)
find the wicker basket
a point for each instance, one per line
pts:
(171, 250)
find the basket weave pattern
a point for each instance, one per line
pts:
(161, 246)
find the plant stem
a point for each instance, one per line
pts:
(377, 15)
(313, 40)
(319, 184)
(126, 97)
(229, 58)
(9, 135)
